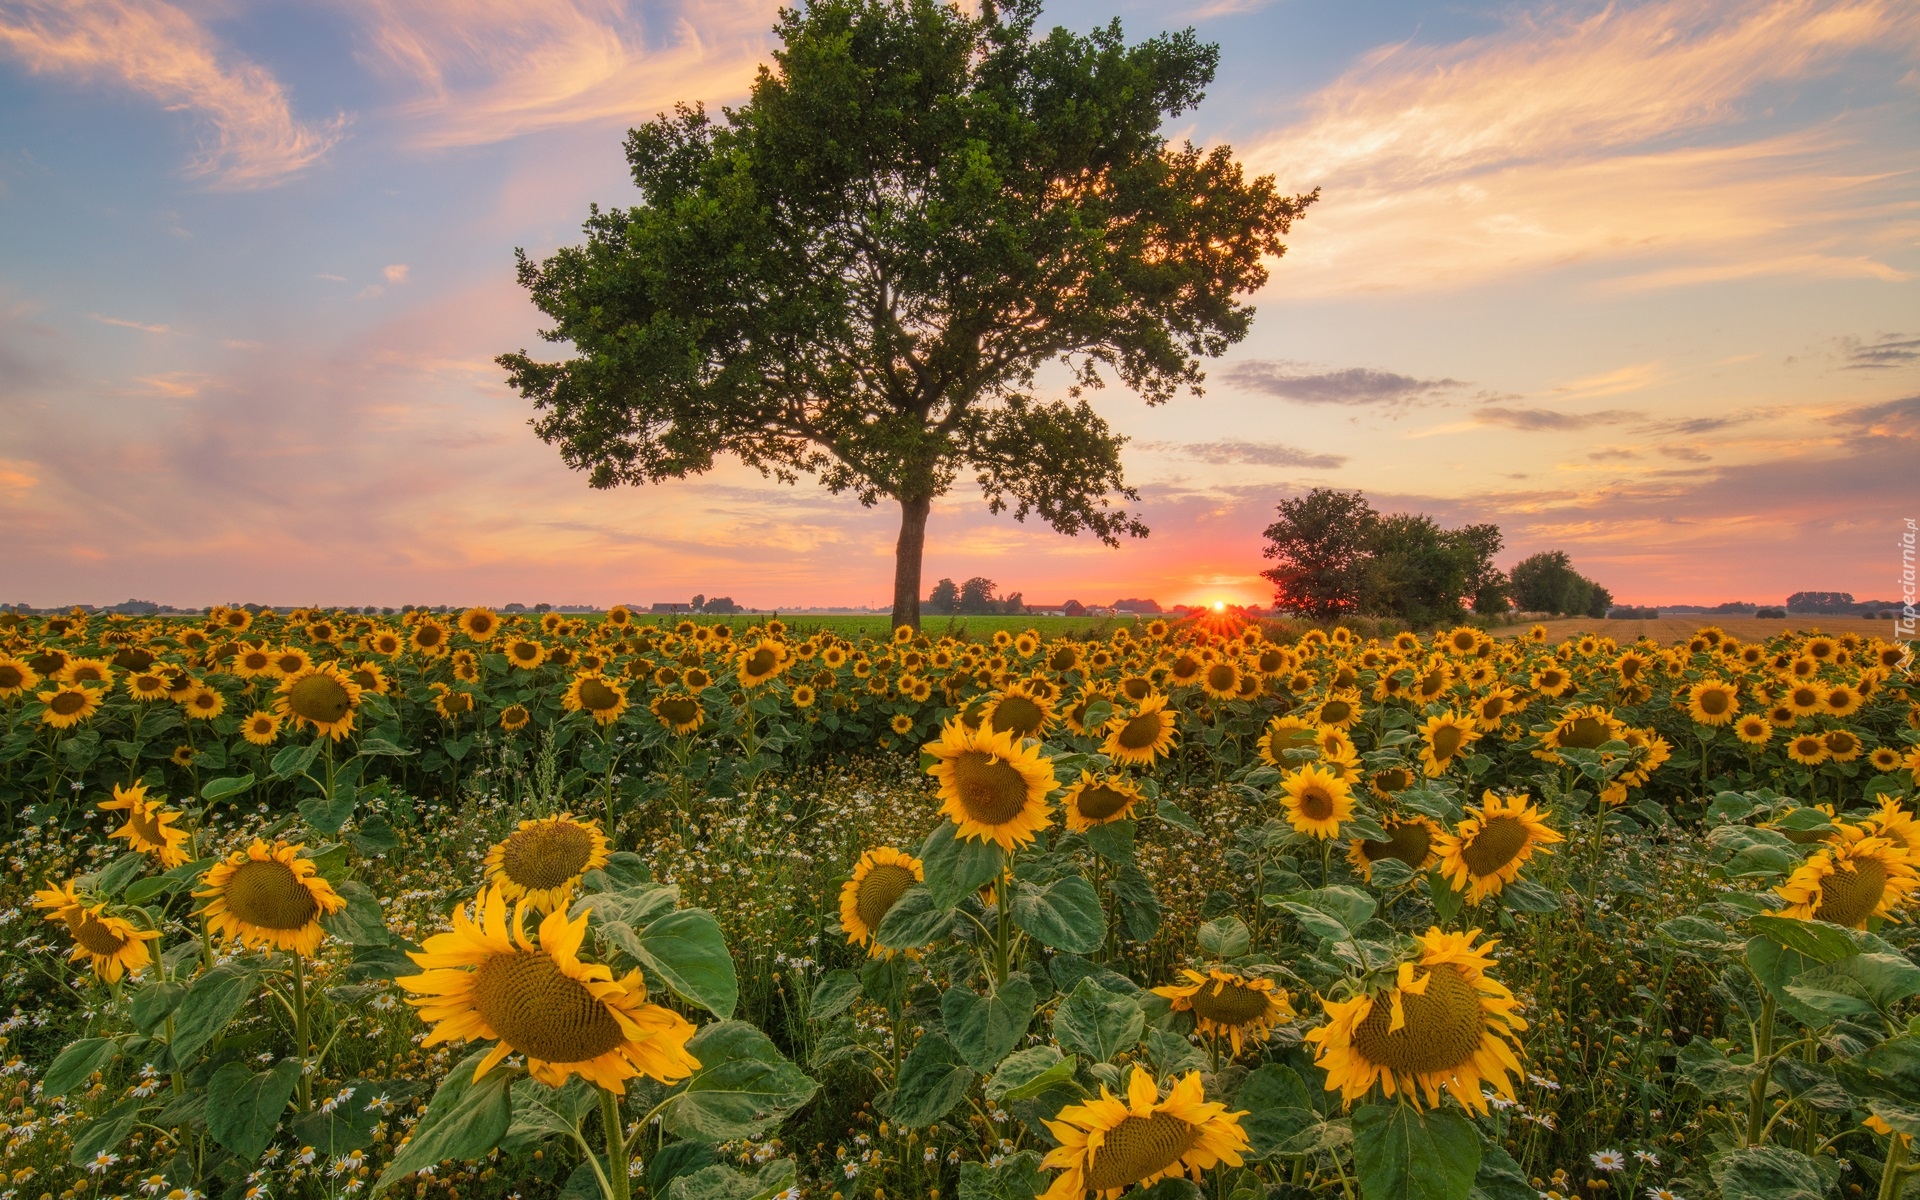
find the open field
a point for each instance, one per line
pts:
(483, 908)
(1668, 629)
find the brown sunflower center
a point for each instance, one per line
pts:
(1185, 668)
(596, 696)
(1141, 732)
(1136, 1148)
(1493, 707)
(95, 935)
(761, 662)
(1409, 842)
(11, 676)
(1019, 715)
(1135, 689)
(320, 699)
(548, 855)
(1393, 779)
(1443, 1028)
(1498, 842)
(991, 789)
(525, 651)
(1226, 1003)
(1335, 711)
(1839, 741)
(1064, 659)
(146, 825)
(679, 710)
(1221, 677)
(1713, 702)
(1849, 897)
(269, 895)
(1316, 802)
(880, 891)
(1102, 800)
(1583, 733)
(1447, 741)
(540, 1011)
(68, 703)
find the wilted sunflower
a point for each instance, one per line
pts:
(991, 785)
(1019, 712)
(1445, 1024)
(479, 624)
(1411, 839)
(514, 717)
(597, 696)
(111, 945)
(763, 660)
(262, 728)
(321, 698)
(1137, 738)
(485, 980)
(149, 828)
(880, 878)
(1712, 702)
(1444, 738)
(1242, 1007)
(1099, 800)
(681, 714)
(542, 861)
(68, 705)
(16, 677)
(1490, 846)
(1109, 1145)
(1316, 800)
(1859, 877)
(268, 896)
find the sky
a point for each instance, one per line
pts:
(1634, 280)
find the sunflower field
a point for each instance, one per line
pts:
(320, 904)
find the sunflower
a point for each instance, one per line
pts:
(1445, 1023)
(682, 714)
(1108, 1145)
(763, 660)
(1221, 680)
(1861, 876)
(568, 1017)
(262, 728)
(901, 724)
(697, 679)
(321, 697)
(1099, 800)
(87, 670)
(479, 624)
(1135, 688)
(183, 755)
(451, 703)
(1019, 712)
(880, 878)
(68, 705)
(541, 862)
(385, 643)
(16, 677)
(1894, 823)
(1411, 839)
(289, 661)
(371, 678)
(111, 945)
(514, 717)
(1389, 782)
(1446, 737)
(597, 696)
(1808, 749)
(1490, 846)
(429, 637)
(1711, 702)
(1885, 760)
(1842, 744)
(1552, 681)
(991, 785)
(1341, 710)
(204, 703)
(1316, 801)
(1587, 727)
(1244, 1008)
(1804, 699)
(149, 828)
(1284, 735)
(268, 896)
(803, 695)
(1139, 738)
(525, 653)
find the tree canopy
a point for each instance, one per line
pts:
(858, 274)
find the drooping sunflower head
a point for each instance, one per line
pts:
(149, 828)
(268, 896)
(680, 713)
(542, 861)
(1018, 711)
(1491, 845)
(1444, 738)
(111, 945)
(1099, 800)
(597, 696)
(880, 878)
(1139, 737)
(1316, 800)
(1242, 1007)
(1849, 881)
(993, 786)
(1108, 1145)
(1411, 839)
(320, 698)
(1445, 1024)
(486, 980)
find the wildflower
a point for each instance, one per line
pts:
(1608, 1160)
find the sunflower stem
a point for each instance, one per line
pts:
(1002, 894)
(619, 1186)
(1891, 1175)
(1762, 1058)
(300, 1040)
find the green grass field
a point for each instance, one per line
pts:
(879, 625)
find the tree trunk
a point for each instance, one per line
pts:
(906, 561)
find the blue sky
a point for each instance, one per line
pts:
(1636, 281)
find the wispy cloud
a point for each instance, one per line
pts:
(155, 48)
(123, 323)
(1353, 385)
(1626, 134)
(1262, 454)
(1544, 419)
(1884, 353)
(487, 70)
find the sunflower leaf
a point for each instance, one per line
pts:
(957, 867)
(1063, 915)
(361, 922)
(985, 1028)
(913, 921)
(210, 1002)
(744, 1086)
(1817, 940)
(243, 1108)
(932, 1080)
(1098, 1023)
(1768, 1173)
(1401, 1154)
(465, 1120)
(77, 1063)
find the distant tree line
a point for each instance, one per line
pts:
(1335, 555)
(973, 598)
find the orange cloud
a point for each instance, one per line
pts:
(158, 50)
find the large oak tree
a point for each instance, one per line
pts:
(858, 274)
